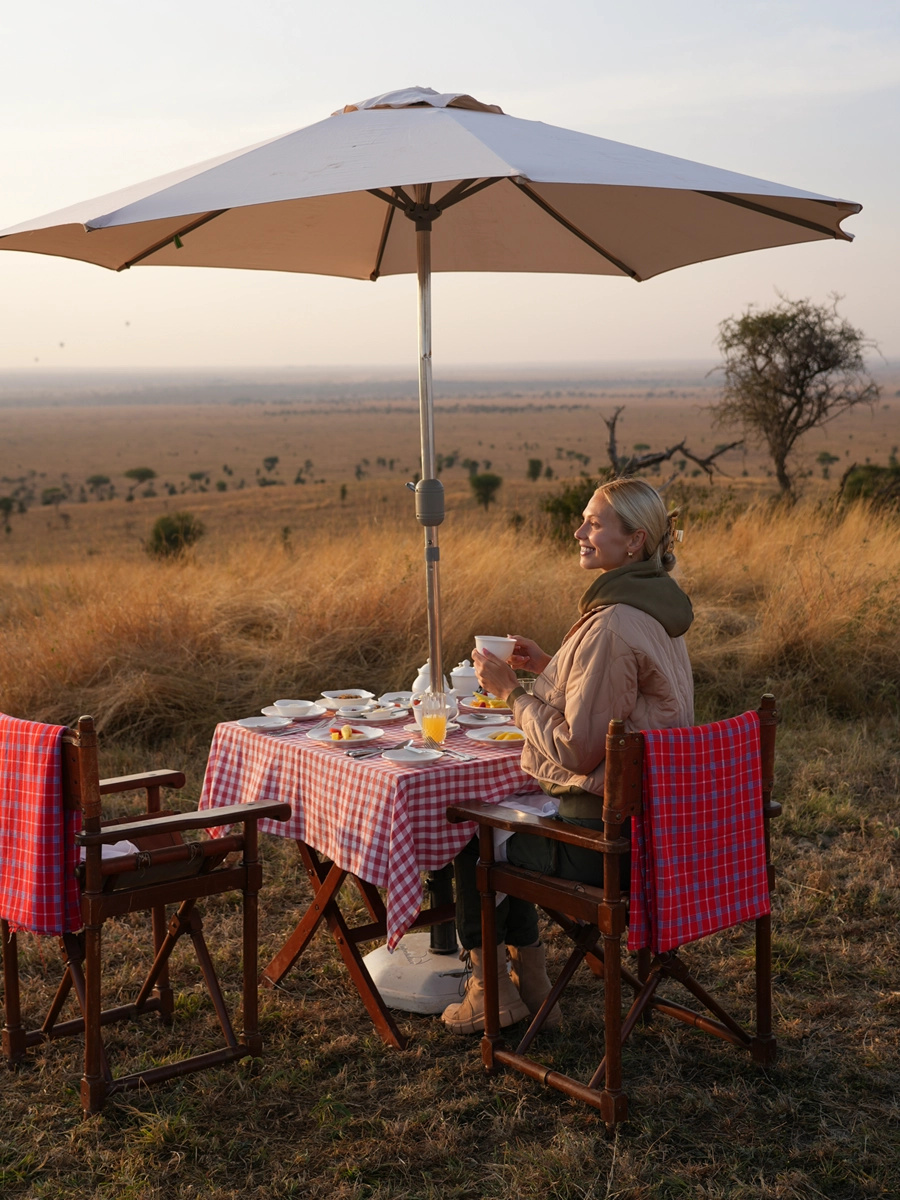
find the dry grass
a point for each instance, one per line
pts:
(796, 601)
(800, 602)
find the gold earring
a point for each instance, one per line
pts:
(630, 554)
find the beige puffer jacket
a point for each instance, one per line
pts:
(617, 661)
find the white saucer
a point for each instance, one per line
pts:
(488, 735)
(264, 722)
(365, 735)
(489, 718)
(410, 757)
(414, 728)
(397, 697)
(310, 715)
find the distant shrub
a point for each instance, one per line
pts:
(880, 485)
(565, 507)
(173, 533)
(485, 487)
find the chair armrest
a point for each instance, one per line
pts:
(521, 822)
(233, 814)
(131, 783)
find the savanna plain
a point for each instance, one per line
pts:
(309, 576)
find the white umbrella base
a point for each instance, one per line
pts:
(414, 980)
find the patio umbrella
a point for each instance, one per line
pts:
(359, 193)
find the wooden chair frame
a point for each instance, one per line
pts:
(166, 870)
(595, 920)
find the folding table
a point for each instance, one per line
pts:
(378, 823)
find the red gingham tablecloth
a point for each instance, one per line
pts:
(381, 821)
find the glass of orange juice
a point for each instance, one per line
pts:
(434, 716)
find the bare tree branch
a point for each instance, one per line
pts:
(624, 466)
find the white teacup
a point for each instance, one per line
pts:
(501, 646)
(293, 708)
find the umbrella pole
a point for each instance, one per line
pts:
(429, 490)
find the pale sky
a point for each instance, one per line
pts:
(805, 92)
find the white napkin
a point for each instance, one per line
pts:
(113, 850)
(538, 804)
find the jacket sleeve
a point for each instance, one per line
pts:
(602, 683)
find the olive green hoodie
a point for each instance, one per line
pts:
(643, 586)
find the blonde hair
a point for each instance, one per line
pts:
(640, 507)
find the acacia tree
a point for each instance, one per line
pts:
(789, 369)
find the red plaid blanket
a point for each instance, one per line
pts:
(38, 888)
(698, 860)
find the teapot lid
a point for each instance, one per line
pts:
(465, 665)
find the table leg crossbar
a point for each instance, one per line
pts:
(326, 880)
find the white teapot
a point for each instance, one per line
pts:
(464, 679)
(423, 680)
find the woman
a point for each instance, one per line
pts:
(625, 657)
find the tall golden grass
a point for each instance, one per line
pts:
(798, 602)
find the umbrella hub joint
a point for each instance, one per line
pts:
(423, 215)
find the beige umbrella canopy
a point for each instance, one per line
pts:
(358, 194)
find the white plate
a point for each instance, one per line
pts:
(365, 735)
(264, 722)
(488, 735)
(396, 698)
(334, 700)
(410, 757)
(310, 715)
(466, 705)
(414, 728)
(489, 718)
(377, 715)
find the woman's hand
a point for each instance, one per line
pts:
(494, 675)
(527, 655)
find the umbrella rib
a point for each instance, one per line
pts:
(780, 216)
(566, 224)
(385, 230)
(387, 198)
(464, 190)
(189, 228)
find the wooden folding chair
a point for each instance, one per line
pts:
(166, 870)
(595, 920)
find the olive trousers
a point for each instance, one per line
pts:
(517, 921)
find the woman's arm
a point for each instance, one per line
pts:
(601, 683)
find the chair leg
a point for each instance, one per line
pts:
(250, 964)
(764, 1046)
(491, 1039)
(162, 990)
(13, 1030)
(613, 1101)
(93, 1083)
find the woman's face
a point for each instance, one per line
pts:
(603, 544)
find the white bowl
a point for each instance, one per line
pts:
(293, 708)
(501, 646)
(336, 700)
(353, 710)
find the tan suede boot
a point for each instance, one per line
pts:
(529, 974)
(468, 1015)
